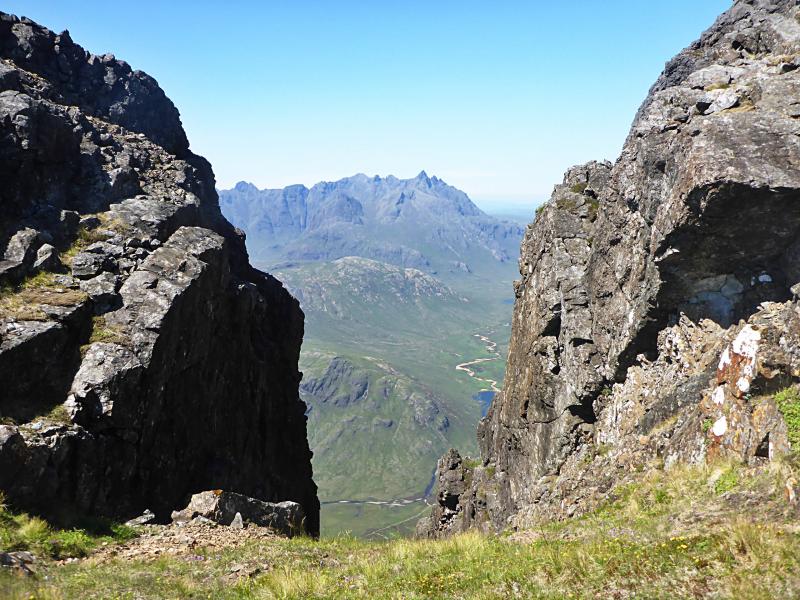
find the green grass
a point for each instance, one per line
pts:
(727, 481)
(59, 414)
(33, 534)
(668, 535)
(25, 301)
(788, 401)
(103, 332)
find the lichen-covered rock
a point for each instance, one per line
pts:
(654, 319)
(142, 358)
(228, 508)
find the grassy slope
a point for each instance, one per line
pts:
(719, 531)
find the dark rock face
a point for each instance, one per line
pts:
(142, 358)
(654, 319)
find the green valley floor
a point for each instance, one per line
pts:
(720, 531)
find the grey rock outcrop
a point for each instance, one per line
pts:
(142, 358)
(235, 510)
(654, 320)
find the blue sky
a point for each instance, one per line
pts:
(498, 98)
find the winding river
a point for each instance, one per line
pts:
(491, 348)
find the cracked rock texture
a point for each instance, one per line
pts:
(655, 319)
(142, 358)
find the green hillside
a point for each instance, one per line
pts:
(385, 399)
(401, 281)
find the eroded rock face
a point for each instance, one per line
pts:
(654, 319)
(142, 358)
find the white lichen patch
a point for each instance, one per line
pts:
(746, 343)
(743, 384)
(720, 426)
(724, 360)
(719, 395)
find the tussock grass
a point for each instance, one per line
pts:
(24, 302)
(29, 533)
(719, 85)
(87, 236)
(104, 332)
(670, 535)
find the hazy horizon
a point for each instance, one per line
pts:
(497, 102)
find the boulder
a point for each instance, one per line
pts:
(229, 508)
(22, 246)
(102, 290)
(87, 265)
(148, 516)
(47, 259)
(19, 562)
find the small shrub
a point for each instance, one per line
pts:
(707, 425)
(579, 188)
(70, 544)
(726, 482)
(103, 332)
(788, 401)
(566, 203)
(661, 496)
(471, 463)
(603, 449)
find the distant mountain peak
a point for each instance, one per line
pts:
(245, 186)
(420, 222)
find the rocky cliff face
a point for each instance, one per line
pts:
(142, 357)
(656, 319)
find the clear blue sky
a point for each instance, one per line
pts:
(497, 98)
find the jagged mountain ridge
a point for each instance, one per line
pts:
(421, 223)
(655, 319)
(130, 316)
